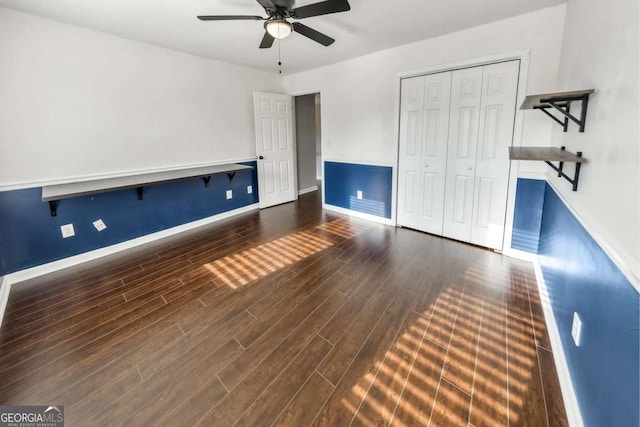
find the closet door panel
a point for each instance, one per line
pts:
(497, 113)
(466, 89)
(434, 151)
(410, 147)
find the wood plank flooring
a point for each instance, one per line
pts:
(290, 316)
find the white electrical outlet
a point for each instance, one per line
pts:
(576, 329)
(99, 225)
(249, 189)
(229, 194)
(67, 231)
(359, 195)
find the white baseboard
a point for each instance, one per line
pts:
(30, 273)
(356, 214)
(566, 385)
(4, 296)
(307, 190)
(521, 255)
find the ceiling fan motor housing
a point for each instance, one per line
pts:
(276, 25)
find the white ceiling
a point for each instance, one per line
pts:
(371, 25)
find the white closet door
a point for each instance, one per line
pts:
(466, 89)
(437, 95)
(423, 151)
(411, 111)
(497, 113)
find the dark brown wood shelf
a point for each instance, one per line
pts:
(561, 102)
(548, 155)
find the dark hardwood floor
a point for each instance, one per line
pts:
(290, 316)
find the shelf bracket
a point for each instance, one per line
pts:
(206, 180)
(554, 118)
(562, 105)
(140, 192)
(561, 174)
(53, 207)
(231, 175)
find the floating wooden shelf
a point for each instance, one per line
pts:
(54, 193)
(551, 154)
(548, 155)
(560, 101)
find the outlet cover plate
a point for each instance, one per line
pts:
(99, 225)
(359, 195)
(67, 230)
(229, 194)
(249, 189)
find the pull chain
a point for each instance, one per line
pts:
(279, 59)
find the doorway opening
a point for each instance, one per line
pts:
(308, 142)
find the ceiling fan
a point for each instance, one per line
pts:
(276, 25)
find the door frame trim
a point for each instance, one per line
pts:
(322, 118)
(524, 56)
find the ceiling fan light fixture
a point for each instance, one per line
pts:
(278, 28)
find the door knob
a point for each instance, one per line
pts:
(261, 157)
(469, 168)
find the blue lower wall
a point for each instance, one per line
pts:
(343, 180)
(527, 216)
(29, 236)
(581, 278)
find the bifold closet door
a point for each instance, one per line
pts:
(424, 127)
(466, 90)
(453, 169)
(497, 114)
(482, 119)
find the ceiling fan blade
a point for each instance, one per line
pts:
(230, 18)
(267, 41)
(312, 34)
(267, 4)
(287, 4)
(322, 8)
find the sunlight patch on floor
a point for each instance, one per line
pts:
(247, 266)
(482, 379)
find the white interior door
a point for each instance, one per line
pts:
(497, 113)
(423, 151)
(466, 89)
(275, 148)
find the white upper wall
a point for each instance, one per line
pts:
(600, 50)
(76, 103)
(359, 104)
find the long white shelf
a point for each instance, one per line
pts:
(53, 193)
